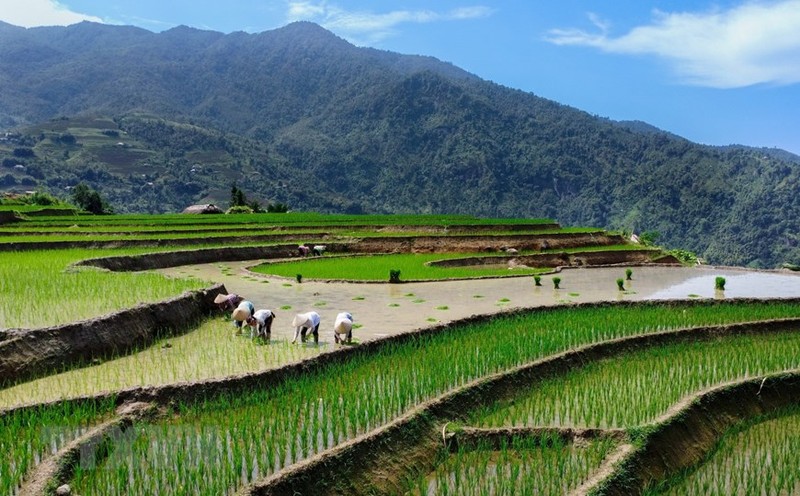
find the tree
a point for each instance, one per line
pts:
(237, 197)
(89, 200)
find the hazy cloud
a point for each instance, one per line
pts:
(757, 42)
(31, 13)
(371, 27)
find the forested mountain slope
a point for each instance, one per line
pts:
(296, 115)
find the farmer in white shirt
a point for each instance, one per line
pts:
(343, 328)
(261, 323)
(303, 322)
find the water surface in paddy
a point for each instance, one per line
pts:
(381, 309)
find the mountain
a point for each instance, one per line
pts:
(297, 115)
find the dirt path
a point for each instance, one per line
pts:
(384, 309)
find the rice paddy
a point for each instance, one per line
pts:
(27, 437)
(644, 384)
(210, 351)
(221, 442)
(526, 466)
(40, 289)
(344, 400)
(752, 459)
(412, 267)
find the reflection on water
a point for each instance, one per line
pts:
(737, 285)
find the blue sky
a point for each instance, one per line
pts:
(716, 72)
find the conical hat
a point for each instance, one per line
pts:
(240, 314)
(221, 298)
(343, 326)
(301, 320)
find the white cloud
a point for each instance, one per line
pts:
(31, 13)
(754, 43)
(371, 26)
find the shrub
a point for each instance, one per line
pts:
(556, 282)
(684, 256)
(239, 209)
(719, 283)
(621, 284)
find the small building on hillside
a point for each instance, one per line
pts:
(208, 208)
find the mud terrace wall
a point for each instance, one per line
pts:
(579, 259)
(27, 353)
(399, 244)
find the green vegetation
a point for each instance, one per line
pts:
(26, 437)
(636, 388)
(548, 466)
(210, 351)
(719, 283)
(754, 458)
(255, 437)
(39, 289)
(413, 267)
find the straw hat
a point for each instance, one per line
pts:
(301, 320)
(343, 326)
(240, 314)
(221, 298)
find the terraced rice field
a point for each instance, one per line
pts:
(224, 417)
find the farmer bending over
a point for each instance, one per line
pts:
(227, 302)
(261, 324)
(244, 311)
(343, 328)
(302, 322)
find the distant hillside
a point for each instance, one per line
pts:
(298, 115)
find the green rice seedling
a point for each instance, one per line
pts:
(637, 387)
(526, 466)
(537, 280)
(719, 283)
(40, 289)
(628, 274)
(442, 307)
(755, 458)
(359, 298)
(210, 351)
(286, 307)
(394, 305)
(556, 282)
(369, 390)
(409, 295)
(28, 436)
(621, 284)
(432, 319)
(418, 300)
(375, 267)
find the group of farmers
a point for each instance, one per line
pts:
(260, 321)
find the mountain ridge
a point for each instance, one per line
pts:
(372, 131)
